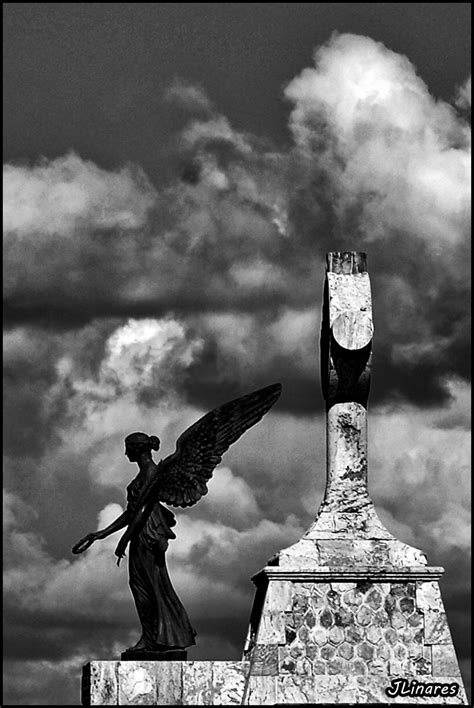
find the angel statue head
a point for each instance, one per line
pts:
(138, 444)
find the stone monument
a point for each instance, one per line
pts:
(348, 614)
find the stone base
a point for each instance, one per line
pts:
(333, 635)
(341, 689)
(112, 683)
(169, 655)
(229, 683)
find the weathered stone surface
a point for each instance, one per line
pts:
(169, 683)
(346, 651)
(102, 683)
(339, 552)
(264, 659)
(422, 662)
(444, 660)
(295, 689)
(339, 689)
(271, 629)
(318, 576)
(352, 329)
(380, 635)
(436, 628)
(346, 490)
(228, 682)
(279, 596)
(428, 596)
(137, 683)
(197, 683)
(260, 690)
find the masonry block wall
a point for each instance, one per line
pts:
(344, 642)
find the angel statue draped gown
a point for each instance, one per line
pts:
(178, 480)
(163, 618)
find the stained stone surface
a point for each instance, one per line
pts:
(164, 683)
(137, 684)
(197, 683)
(348, 634)
(169, 682)
(100, 682)
(228, 682)
(260, 690)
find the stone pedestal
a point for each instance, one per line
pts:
(133, 683)
(336, 635)
(349, 609)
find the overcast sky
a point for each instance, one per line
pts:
(174, 176)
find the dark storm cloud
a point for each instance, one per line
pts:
(378, 165)
(36, 392)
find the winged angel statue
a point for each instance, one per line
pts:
(178, 480)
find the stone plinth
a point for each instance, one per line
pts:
(342, 636)
(185, 683)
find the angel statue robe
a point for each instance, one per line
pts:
(165, 623)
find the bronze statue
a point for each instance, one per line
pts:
(179, 480)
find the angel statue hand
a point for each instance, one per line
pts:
(120, 551)
(85, 543)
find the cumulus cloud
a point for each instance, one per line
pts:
(61, 196)
(230, 500)
(403, 157)
(378, 165)
(420, 465)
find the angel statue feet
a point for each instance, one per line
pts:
(178, 480)
(139, 646)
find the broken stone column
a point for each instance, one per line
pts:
(348, 609)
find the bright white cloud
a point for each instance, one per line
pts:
(69, 194)
(385, 141)
(419, 464)
(230, 500)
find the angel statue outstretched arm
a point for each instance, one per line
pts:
(179, 480)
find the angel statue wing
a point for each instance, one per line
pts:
(183, 476)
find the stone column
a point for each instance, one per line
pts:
(348, 608)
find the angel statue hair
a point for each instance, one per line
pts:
(178, 480)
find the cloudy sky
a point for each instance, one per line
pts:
(174, 176)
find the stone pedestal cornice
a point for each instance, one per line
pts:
(341, 575)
